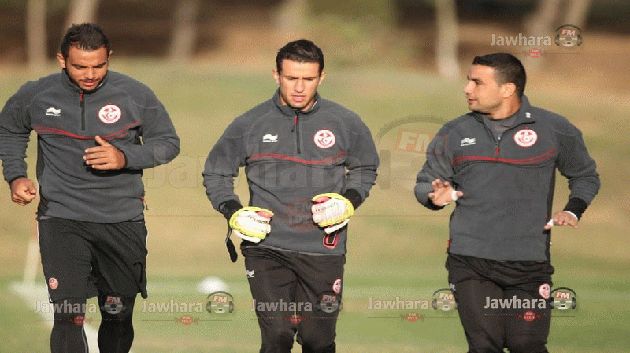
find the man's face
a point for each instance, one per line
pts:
(86, 68)
(298, 83)
(482, 91)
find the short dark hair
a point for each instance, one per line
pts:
(85, 36)
(302, 50)
(507, 67)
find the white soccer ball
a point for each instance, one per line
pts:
(212, 284)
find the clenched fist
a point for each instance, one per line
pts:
(23, 191)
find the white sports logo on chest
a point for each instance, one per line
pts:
(270, 138)
(324, 139)
(52, 111)
(525, 137)
(109, 114)
(467, 141)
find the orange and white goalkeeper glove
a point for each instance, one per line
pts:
(331, 211)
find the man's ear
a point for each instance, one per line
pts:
(61, 60)
(276, 76)
(322, 76)
(508, 89)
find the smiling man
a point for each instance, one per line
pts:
(97, 130)
(309, 163)
(498, 163)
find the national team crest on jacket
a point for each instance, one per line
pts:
(324, 139)
(525, 137)
(109, 114)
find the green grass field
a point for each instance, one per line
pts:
(396, 247)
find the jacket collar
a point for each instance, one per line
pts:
(288, 111)
(67, 82)
(523, 115)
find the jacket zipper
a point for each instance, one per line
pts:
(496, 140)
(497, 148)
(296, 128)
(82, 102)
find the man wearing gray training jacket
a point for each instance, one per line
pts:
(96, 131)
(309, 163)
(498, 164)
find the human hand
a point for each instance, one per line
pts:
(105, 156)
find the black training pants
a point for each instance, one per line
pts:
(502, 304)
(82, 260)
(295, 293)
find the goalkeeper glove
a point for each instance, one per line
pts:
(251, 223)
(331, 211)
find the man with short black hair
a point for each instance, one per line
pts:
(498, 164)
(97, 130)
(309, 163)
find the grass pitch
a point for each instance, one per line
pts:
(396, 247)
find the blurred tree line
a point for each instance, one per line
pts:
(359, 30)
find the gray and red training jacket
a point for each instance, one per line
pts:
(508, 182)
(121, 110)
(289, 157)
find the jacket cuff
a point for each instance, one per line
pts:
(432, 206)
(133, 158)
(354, 197)
(12, 179)
(576, 206)
(422, 191)
(229, 207)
